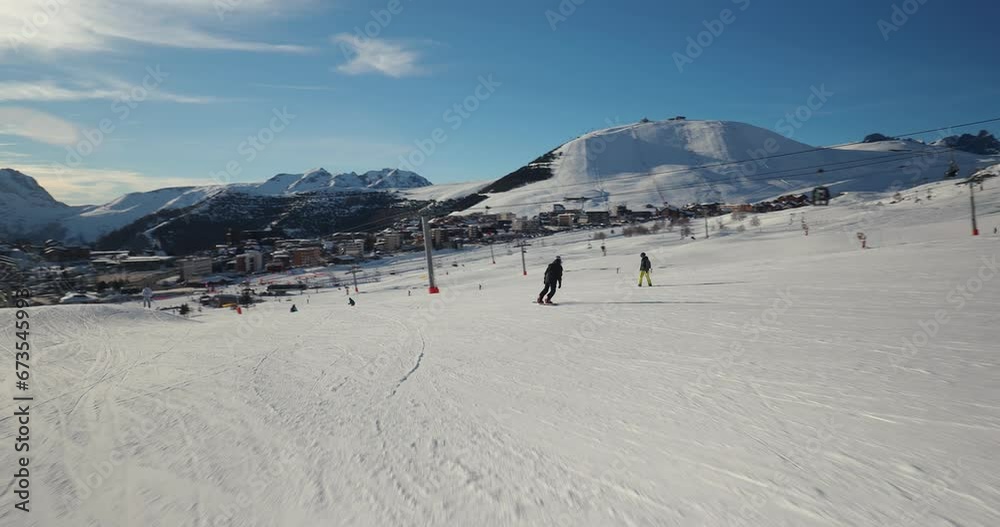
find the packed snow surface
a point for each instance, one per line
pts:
(768, 378)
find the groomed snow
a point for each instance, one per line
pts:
(765, 380)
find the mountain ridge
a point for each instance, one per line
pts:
(676, 161)
(35, 214)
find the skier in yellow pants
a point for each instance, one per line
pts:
(644, 269)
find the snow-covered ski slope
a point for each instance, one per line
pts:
(697, 161)
(768, 378)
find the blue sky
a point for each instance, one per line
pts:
(360, 90)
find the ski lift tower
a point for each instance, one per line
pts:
(972, 181)
(523, 246)
(429, 250)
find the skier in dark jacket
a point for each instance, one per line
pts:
(644, 269)
(553, 276)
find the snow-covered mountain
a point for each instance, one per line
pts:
(319, 180)
(681, 161)
(17, 188)
(27, 209)
(646, 163)
(30, 211)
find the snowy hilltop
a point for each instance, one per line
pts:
(682, 161)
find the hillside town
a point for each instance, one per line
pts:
(63, 273)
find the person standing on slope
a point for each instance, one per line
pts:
(644, 269)
(147, 297)
(553, 276)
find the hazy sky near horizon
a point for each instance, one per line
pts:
(103, 97)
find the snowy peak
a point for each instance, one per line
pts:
(31, 212)
(321, 180)
(392, 178)
(16, 186)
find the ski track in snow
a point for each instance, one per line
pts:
(626, 406)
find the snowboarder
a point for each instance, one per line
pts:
(147, 297)
(350, 302)
(644, 269)
(553, 276)
(294, 309)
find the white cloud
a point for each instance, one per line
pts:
(48, 91)
(297, 87)
(89, 186)
(52, 26)
(367, 55)
(37, 126)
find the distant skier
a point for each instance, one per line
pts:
(604, 250)
(350, 302)
(644, 269)
(147, 297)
(294, 309)
(553, 276)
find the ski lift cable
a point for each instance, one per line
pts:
(935, 150)
(806, 172)
(761, 177)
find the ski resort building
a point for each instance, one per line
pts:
(599, 217)
(566, 220)
(249, 262)
(355, 248)
(305, 256)
(390, 241)
(195, 267)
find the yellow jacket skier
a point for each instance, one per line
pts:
(644, 269)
